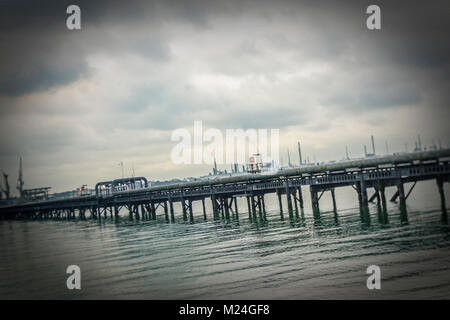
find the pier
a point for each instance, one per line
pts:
(369, 177)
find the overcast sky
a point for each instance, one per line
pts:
(74, 104)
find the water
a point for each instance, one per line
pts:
(304, 257)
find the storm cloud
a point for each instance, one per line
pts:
(75, 103)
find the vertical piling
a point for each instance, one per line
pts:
(294, 192)
(401, 194)
(143, 212)
(136, 211)
(263, 206)
(383, 196)
(260, 207)
(280, 203)
(204, 208)
(213, 204)
(253, 207)
(152, 205)
(288, 197)
(300, 197)
(222, 204)
(249, 209)
(183, 205)
(172, 215)
(333, 197)
(191, 212)
(440, 184)
(314, 198)
(363, 190)
(166, 211)
(227, 208)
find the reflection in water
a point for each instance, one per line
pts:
(383, 218)
(308, 254)
(317, 217)
(444, 216)
(403, 214)
(336, 218)
(365, 216)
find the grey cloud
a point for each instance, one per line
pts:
(41, 77)
(153, 66)
(374, 98)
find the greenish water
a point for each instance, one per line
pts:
(305, 257)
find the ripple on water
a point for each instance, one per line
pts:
(303, 257)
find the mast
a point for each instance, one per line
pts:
(373, 145)
(289, 158)
(299, 153)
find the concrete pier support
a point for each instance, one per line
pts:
(214, 206)
(143, 212)
(300, 197)
(294, 193)
(333, 198)
(314, 198)
(183, 206)
(401, 194)
(253, 207)
(136, 211)
(172, 215)
(94, 212)
(263, 203)
(363, 191)
(440, 184)
(166, 211)
(249, 208)
(222, 209)
(288, 197)
(259, 206)
(191, 212)
(204, 208)
(227, 208)
(383, 196)
(153, 210)
(280, 203)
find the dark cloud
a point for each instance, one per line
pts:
(139, 69)
(412, 33)
(41, 76)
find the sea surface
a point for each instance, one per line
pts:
(304, 257)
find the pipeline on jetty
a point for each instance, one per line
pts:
(375, 173)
